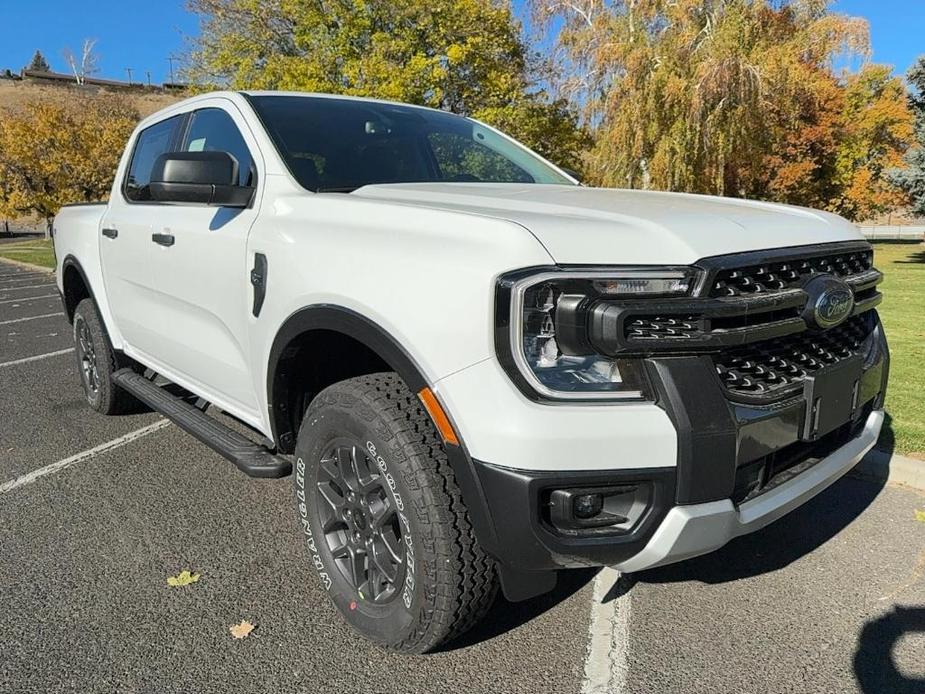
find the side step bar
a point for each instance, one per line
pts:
(251, 458)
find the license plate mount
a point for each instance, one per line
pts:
(831, 396)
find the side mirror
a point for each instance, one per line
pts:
(210, 178)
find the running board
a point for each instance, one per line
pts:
(251, 458)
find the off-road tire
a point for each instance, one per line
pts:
(453, 581)
(104, 396)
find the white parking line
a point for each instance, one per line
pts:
(608, 644)
(23, 320)
(26, 360)
(16, 271)
(22, 276)
(80, 457)
(6, 286)
(28, 286)
(30, 298)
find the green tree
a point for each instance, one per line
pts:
(464, 56)
(911, 178)
(39, 63)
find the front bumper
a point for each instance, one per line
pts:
(689, 531)
(737, 467)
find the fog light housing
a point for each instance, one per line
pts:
(587, 506)
(598, 510)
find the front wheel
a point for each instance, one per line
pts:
(383, 519)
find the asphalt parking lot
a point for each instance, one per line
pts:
(829, 599)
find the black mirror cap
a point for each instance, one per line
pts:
(574, 174)
(198, 177)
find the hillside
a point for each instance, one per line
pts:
(14, 93)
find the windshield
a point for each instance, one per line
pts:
(342, 144)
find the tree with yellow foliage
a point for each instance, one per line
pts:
(732, 97)
(877, 130)
(464, 56)
(54, 152)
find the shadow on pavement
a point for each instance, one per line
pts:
(874, 665)
(887, 440)
(778, 545)
(505, 616)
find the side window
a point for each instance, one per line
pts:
(152, 142)
(464, 159)
(213, 130)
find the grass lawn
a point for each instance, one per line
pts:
(35, 251)
(903, 315)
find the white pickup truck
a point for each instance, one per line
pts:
(479, 371)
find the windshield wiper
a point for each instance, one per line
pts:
(337, 189)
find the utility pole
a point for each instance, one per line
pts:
(170, 60)
(148, 73)
(129, 71)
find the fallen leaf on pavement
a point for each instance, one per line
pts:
(239, 631)
(184, 578)
(920, 515)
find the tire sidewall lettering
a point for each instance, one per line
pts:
(310, 540)
(407, 594)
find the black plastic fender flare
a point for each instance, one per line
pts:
(517, 585)
(71, 262)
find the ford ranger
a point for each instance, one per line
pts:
(478, 371)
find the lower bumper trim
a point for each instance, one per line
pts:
(695, 529)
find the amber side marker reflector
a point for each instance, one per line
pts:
(441, 421)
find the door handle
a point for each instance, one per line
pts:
(110, 233)
(163, 239)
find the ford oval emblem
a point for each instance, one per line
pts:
(830, 302)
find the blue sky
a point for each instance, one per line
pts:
(142, 34)
(137, 34)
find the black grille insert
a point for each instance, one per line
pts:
(663, 327)
(774, 368)
(784, 274)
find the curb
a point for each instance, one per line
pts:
(880, 466)
(29, 266)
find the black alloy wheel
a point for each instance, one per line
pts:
(86, 357)
(360, 522)
(383, 521)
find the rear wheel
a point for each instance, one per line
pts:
(97, 361)
(385, 525)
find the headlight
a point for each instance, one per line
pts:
(543, 331)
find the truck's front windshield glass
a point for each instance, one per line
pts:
(339, 145)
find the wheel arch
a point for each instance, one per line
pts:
(330, 319)
(328, 323)
(75, 286)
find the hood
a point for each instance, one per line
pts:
(579, 225)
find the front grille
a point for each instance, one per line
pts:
(775, 368)
(748, 312)
(785, 274)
